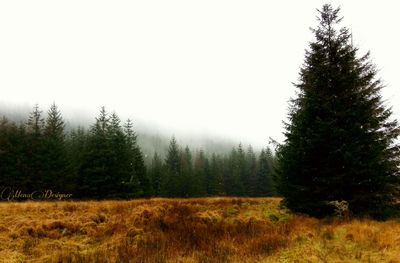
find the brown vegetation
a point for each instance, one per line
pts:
(187, 230)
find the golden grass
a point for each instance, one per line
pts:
(187, 230)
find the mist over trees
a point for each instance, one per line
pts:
(105, 161)
(150, 137)
(340, 140)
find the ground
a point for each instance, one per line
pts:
(187, 230)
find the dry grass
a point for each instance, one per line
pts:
(187, 230)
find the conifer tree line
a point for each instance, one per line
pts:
(105, 161)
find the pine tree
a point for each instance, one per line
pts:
(214, 180)
(10, 156)
(94, 175)
(55, 155)
(119, 159)
(156, 173)
(241, 187)
(265, 184)
(171, 183)
(234, 174)
(187, 173)
(35, 124)
(251, 179)
(140, 170)
(76, 144)
(138, 179)
(34, 154)
(340, 141)
(201, 171)
(112, 166)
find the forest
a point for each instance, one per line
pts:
(329, 192)
(105, 161)
(340, 153)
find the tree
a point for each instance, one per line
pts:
(35, 122)
(340, 140)
(201, 174)
(109, 167)
(55, 155)
(234, 174)
(242, 184)
(11, 155)
(34, 154)
(121, 161)
(76, 152)
(214, 182)
(187, 172)
(265, 184)
(172, 182)
(156, 173)
(95, 174)
(251, 178)
(138, 169)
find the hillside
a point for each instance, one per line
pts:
(187, 230)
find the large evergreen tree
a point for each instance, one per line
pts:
(340, 140)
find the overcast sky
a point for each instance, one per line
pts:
(209, 66)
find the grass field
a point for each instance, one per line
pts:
(187, 230)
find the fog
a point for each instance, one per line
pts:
(221, 70)
(151, 138)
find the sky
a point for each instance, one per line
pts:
(212, 67)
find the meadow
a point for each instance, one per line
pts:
(188, 230)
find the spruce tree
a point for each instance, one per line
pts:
(138, 177)
(265, 184)
(55, 155)
(119, 159)
(171, 183)
(217, 167)
(187, 172)
(241, 187)
(156, 173)
(214, 180)
(94, 174)
(76, 144)
(201, 171)
(234, 175)
(141, 172)
(340, 140)
(34, 150)
(10, 156)
(35, 124)
(251, 179)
